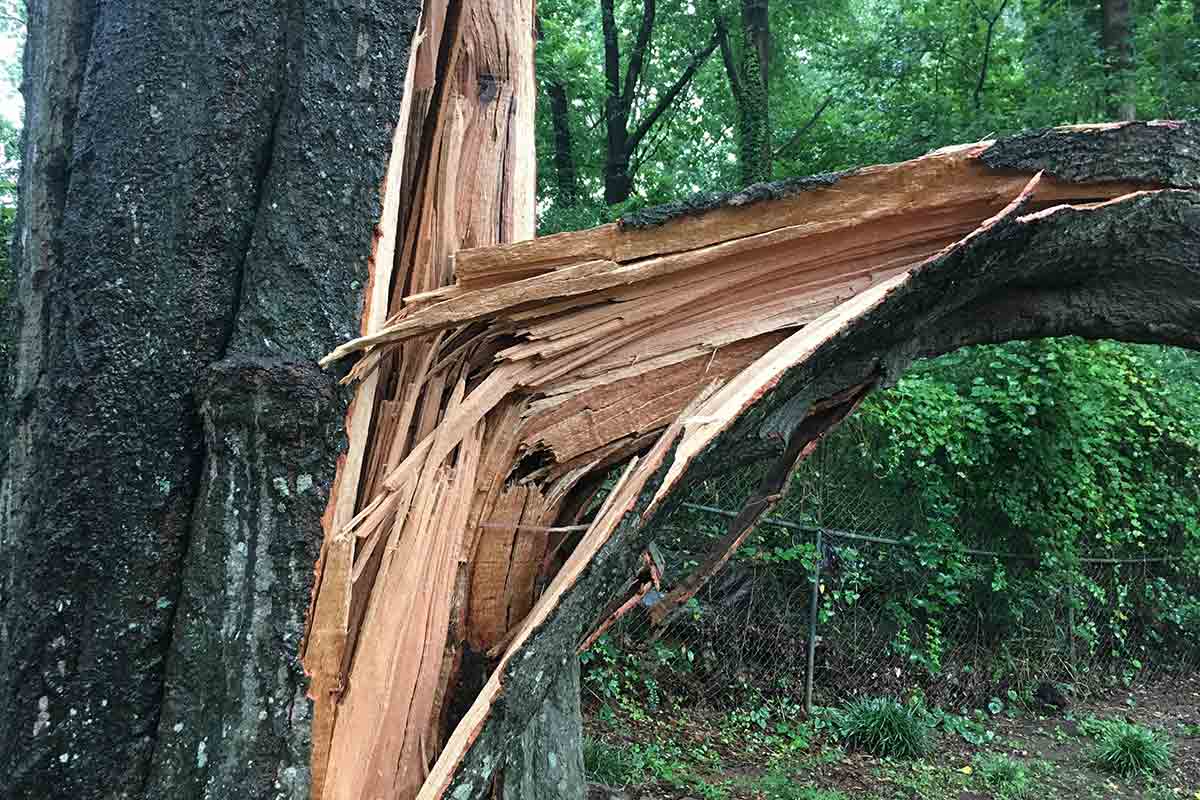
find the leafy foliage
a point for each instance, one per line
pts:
(1051, 451)
(610, 764)
(854, 82)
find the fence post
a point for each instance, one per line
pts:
(1071, 621)
(814, 602)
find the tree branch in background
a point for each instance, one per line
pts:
(637, 56)
(987, 46)
(667, 99)
(644, 154)
(731, 70)
(798, 136)
(612, 49)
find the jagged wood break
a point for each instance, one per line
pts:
(687, 340)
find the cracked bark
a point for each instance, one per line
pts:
(169, 443)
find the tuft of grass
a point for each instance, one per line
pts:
(1007, 778)
(885, 727)
(609, 764)
(1127, 749)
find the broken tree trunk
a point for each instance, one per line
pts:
(691, 338)
(200, 186)
(461, 175)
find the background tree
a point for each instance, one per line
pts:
(627, 100)
(748, 72)
(1118, 59)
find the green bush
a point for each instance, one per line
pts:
(1128, 749)
(885, 727)
(1007, 778)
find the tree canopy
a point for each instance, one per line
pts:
(849, 82)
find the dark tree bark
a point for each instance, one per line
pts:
(546, 761)
(754, 124)
(748, 84)
(565, 176)
(1117, 40)
(197, 203)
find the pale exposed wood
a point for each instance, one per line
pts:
(622, 496)
(935, 176)
(637, 403)
(484, 268)
(467, 180)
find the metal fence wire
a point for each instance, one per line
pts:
(821, 613)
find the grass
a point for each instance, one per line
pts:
(885, 727)
(1127, 749)
(780, 785)
(610, 764)
(624, 765)
(1007, 778)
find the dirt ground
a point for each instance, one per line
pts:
(704, 755)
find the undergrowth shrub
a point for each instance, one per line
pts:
(781, 785)
(609, 764)
(886, 727)
(1128, 749)
(1007, 778)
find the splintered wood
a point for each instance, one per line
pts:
(501, 379)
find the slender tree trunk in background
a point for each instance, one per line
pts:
(754, 125)
(618, 183)
(196, 213)
(1117, 40)
(566, 178)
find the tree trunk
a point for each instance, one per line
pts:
(566, 179)
(754, 126)
(546, 762)
(618, 183)
(620, 94)
(196, 213)
(1118, 59)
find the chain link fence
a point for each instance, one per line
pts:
(831, 598)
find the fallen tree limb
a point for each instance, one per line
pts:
(742, 325)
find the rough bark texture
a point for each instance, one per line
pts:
(178, 271)
(754, 124)
(546, 762)
(702, 202)
(564, 157)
